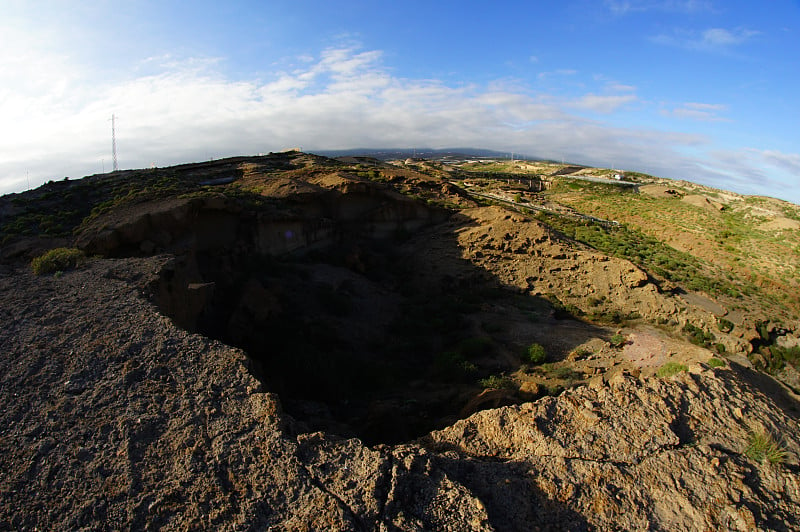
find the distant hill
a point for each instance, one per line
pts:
(388, 154)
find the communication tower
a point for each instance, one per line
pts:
(114, 142)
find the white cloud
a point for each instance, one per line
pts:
(612, 85)
(710, 40)
(623, 7)
(722, 37)
(602, 103)
(754, 171)
(619, 87)
(706, 106)
(704, 112)
(559, 72)
(788, 162)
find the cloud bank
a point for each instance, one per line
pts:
(173, 111)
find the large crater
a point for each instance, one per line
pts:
(325, 296)
(353, 302)
(348, 347)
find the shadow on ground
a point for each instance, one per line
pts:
(383, 338)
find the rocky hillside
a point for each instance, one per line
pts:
(296, 343)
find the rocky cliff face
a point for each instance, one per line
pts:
(308, 221)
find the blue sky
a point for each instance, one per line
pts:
(686, 89)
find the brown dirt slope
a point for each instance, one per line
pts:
(129, 422)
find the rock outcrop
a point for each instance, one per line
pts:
(311, 217)
(130, 422)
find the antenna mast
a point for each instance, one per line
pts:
(114, 141)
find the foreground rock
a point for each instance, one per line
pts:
(114, 418)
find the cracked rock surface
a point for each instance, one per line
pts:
(114, 418)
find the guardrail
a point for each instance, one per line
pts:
(539, 208)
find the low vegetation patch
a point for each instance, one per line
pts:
(618, 340)
(761, 446)
(580, 353)
(724, 325)
(451, 365)
(648, 253)
(669, 369)
(497, 382)
(558, 372)
(58, 259)
(774, 358)
(698, 336)
(714, 362)
(535, 354)
(561, 310)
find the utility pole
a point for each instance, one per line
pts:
(114, 141)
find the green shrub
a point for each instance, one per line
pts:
(581, 352)
(497, 382)
(535, 354)
(467, 367)
(669, 369)
(698, 336)
(724, 325)
(451, 365)
(554, 389)
(776, 357)
(618, 340)
(564, 372)
(547, 367)
(594, 301)
(763, 330)
(57, 259)
(762, 446)
(787, 354)
(715, 362)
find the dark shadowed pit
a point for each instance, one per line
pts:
(348, 345)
